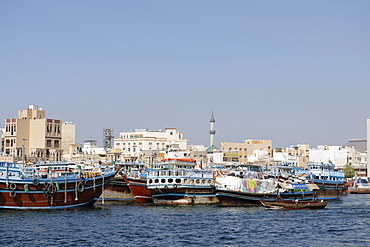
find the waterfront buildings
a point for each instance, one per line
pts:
(294, 155)
(329, 155)
(133, 143)
(68, 144)
(32, 136)
(2, 131)
(358, 144)
(245, 150)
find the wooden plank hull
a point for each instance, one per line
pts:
(118, 190)
(52, 194)
(329, 190)
(184, 196)
(138, 189)
(239, 198)
(313, 204)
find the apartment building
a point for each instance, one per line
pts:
(246, 149)
(69, 145)
(134, 142)
(293, 155)
(32, 136)
(336, 155)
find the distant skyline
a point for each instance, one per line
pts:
(291, 72)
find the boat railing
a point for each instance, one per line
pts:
(180, 173)
(164, 179)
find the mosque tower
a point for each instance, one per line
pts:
(212, 133)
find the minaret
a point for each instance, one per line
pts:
(212, 133)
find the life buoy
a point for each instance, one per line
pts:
(175, 186)
(35, 182)
(80, 187)
(12, 193)
(12, 186)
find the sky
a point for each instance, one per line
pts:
(288, 71)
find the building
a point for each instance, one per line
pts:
(32, 136)
(226, 158)
(133, 143)
(2, 132)
(69, 145)
(359, 144)
(246, 149)
(294, 155)
(198, 153)
(336, 155)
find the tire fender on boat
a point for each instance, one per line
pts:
(80, 187)
(12, 186)
(165, 187)
(35, 182)
(175, 186)
(12, 193)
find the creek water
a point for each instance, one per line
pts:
(345, 222)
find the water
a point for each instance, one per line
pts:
(342, 223)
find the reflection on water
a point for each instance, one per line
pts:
(344, 223)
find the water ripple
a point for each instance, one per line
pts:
(342, 223)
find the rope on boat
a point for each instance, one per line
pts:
(7, 174)
(103, 189)
(76, 193)
(65, 189)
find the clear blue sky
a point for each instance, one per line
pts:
(290, 71)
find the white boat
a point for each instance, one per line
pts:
(360, 185)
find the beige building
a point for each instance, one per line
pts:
(69, 145)
(246, 149)
(32, 136)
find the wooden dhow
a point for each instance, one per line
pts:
(295, 204)
(51, 185)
